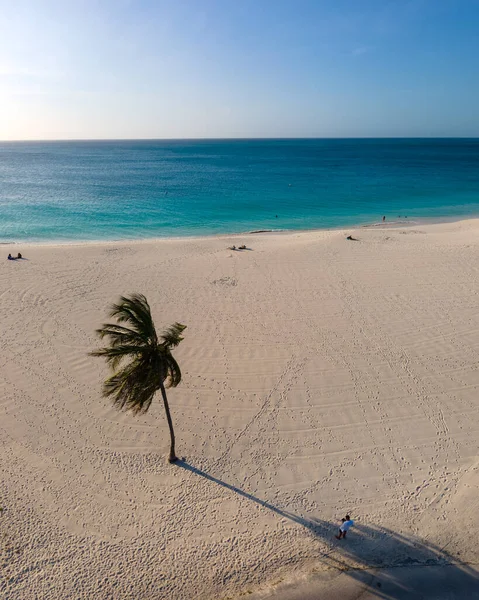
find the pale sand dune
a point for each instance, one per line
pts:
(321, 376)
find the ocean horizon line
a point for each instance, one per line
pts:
(240, 138)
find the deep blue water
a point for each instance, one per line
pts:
(101, 190)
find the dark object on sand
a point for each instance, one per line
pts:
(19, 255)
(350, 237)
(243, 247)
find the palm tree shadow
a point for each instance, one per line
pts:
(383, 561)
(316, 527)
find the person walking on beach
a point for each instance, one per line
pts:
(346, 524)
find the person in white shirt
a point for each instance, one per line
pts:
(346, 524)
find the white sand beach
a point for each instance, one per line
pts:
(320, 377)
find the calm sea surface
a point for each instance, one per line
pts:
(66, 191)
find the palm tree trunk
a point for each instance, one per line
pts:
(172, 458)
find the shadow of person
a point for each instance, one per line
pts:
(383, 563)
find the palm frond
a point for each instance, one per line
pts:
(119, 334)
(114, 354)
(133, 387)
(171, 337)
(135, 310)
(173, 372)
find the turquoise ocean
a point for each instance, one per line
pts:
(111, 190)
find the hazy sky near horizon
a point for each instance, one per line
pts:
(238, 68)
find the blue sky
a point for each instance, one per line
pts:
(238, 68)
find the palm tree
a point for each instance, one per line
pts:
(151, 366)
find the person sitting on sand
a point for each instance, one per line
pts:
(10, 257)
(243, 247)
(346, 524)
(231, 247)
(19, 255)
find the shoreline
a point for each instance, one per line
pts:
(393, 224)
